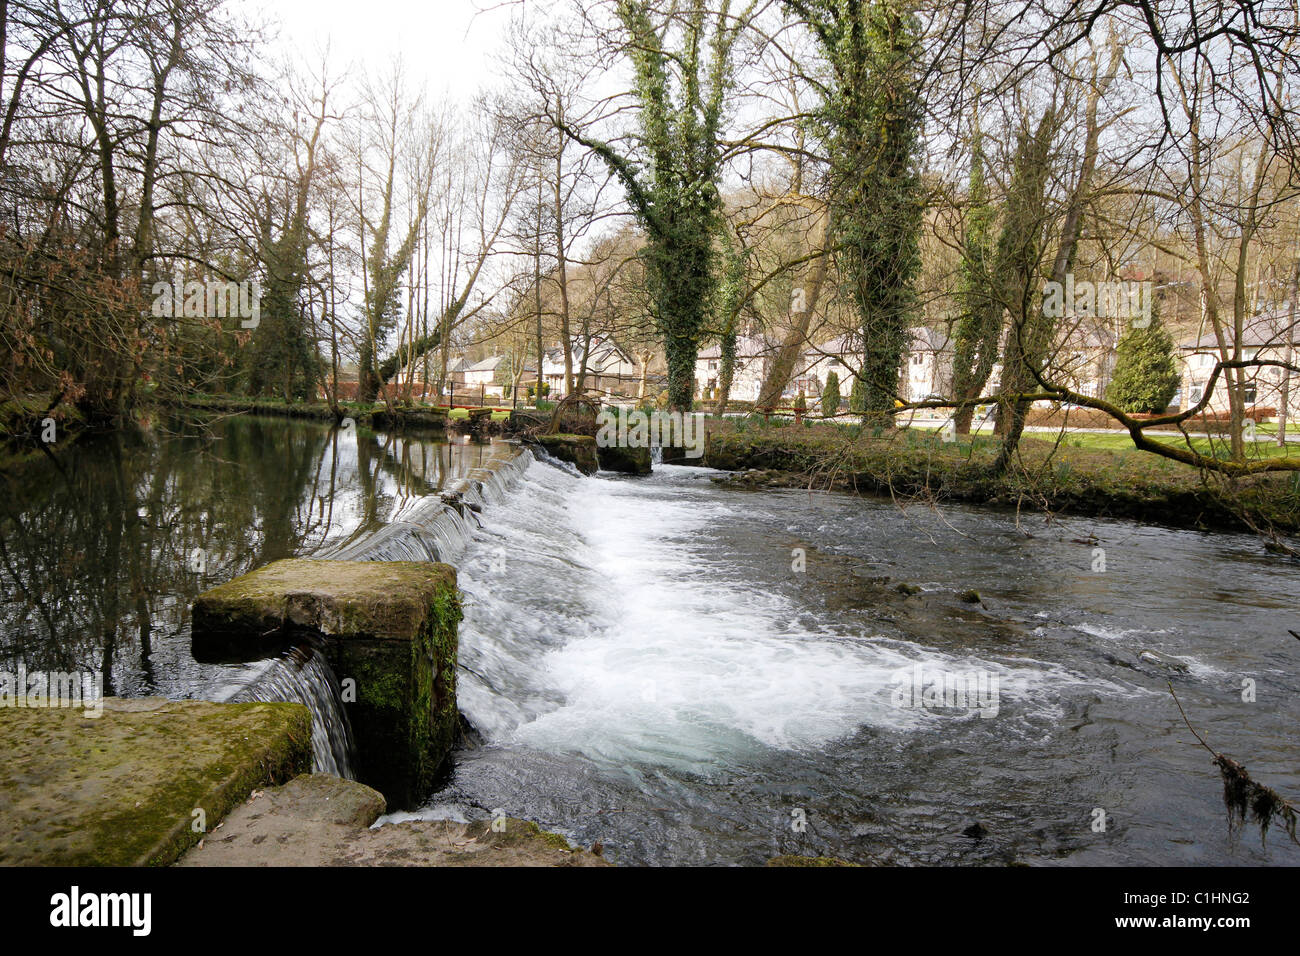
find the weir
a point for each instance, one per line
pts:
(303, 676)
(372, 653)
(697, 661)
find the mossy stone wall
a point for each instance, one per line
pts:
(389, 627)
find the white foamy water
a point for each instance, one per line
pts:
(605, 632)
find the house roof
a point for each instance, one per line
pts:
(837, 347)
(1267, 328)
(747, 347)
(1084, 337)
(603, 353)
(494, 363)
(928, 339)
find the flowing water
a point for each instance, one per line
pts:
(648, 670)
(692, 673)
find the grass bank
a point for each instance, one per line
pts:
(365, 414)
(1082, 474)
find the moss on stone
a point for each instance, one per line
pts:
(121, 789)
(518, 833)
(389, 626)
(578, 450)
(293, 826)
(629, 461)
(566, 439)
(547, 837)
(383, 600)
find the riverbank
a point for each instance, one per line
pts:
(366, 414)
(139, 781)
(1069, 478)
(26, 434)
(30, 426)
(320, 820)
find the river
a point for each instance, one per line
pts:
(691, 673)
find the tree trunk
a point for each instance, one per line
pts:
(780, 371)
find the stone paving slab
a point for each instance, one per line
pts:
(121, 789)
(319, 820)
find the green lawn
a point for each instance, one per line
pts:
(1121, 442)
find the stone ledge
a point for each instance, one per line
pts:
(121, 789)
(578, 450)
(389, 627)
(318, 820)
(256, 612)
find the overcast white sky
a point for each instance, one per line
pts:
(448, 43)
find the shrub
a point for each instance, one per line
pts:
(831, 394)
(1146, 374)
(858, 397)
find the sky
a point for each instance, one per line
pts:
(450, 44)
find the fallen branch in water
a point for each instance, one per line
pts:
(1243, 795)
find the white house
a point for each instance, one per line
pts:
(491, 376)
(927, 366)
(1271, 336)
(752, 355)
(609, 369)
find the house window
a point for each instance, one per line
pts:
(713, 366)
(1195, 394)
(1248, 395)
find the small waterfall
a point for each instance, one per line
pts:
(433, 532)
(439, 528)
(304, 677)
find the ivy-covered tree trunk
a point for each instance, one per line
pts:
(873, 114)
(1003, 280)
(1031, 336)
(671, 175)
(726, 370)
(731, 302)
(1020, 250)
(683, 282)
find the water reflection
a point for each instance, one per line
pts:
(102, 553)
